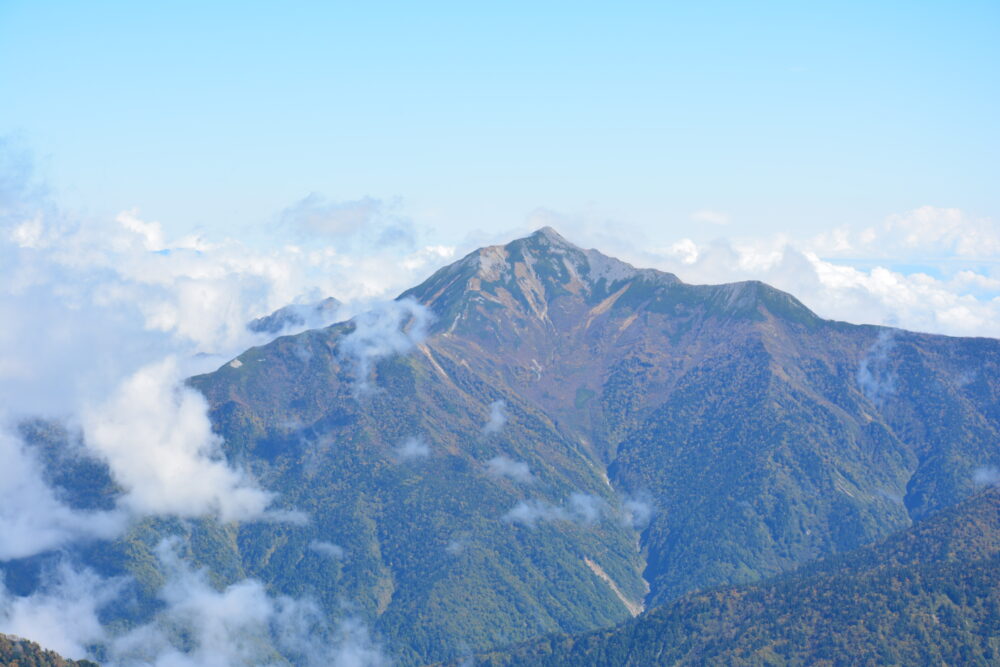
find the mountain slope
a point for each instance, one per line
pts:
(762, 435)
(927, 595)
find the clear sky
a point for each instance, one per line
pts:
(778, 115)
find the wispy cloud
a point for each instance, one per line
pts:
(875, 375)
(63, 615)
(986, 476)
(196, 625)
(497, 418)
(241, 624)
(502, 466)
(412, 448)
(328, 549)
(374, 222)
(582, 508)
(32, 518)
(390, 328)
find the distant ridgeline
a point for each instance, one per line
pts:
(541, 439)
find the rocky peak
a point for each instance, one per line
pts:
(525, 275)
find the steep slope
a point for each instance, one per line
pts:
(928, 595)
(539, 438)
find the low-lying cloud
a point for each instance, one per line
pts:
(498, 417)
(503, 466)
(412, 448)
(198, 624)
(637, 511)
(63, 614)
(875, 376)
(986, 476)
(581, 508)
(327, 549)
(155, 435)
(387, 329)
(32, 518)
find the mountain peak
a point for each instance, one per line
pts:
(525, 276)
(550, 235)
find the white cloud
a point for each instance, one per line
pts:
(63, 615)
(371, 221)
(201, 626)
(502, 466)
(874, 375)
(197, 626)
(412, 448)
(32, 519)
(328, 549)
(582, 508)
(943, 231)
(685, 250)
(530, 512)
(389, 328)
(986, 476)
(156, 437)
(637, 511)
(965, 303)
(497, 418)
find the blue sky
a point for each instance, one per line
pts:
(782, 116)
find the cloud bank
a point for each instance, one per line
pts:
(198, 624)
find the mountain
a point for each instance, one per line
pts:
(762, 435)
(296, 315)
(926, 595)
(542, 439)
(17, 652)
